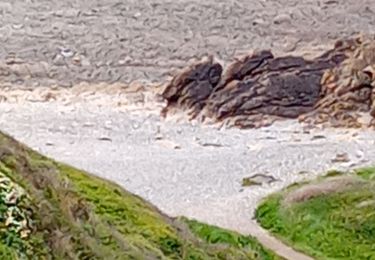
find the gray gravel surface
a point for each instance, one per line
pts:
(49, 42)
(184, 169)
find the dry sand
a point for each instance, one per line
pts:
(182, 168)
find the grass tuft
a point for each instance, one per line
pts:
(339, 224)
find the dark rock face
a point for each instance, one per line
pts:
(276, 87)
(191, 88)
(260, 88)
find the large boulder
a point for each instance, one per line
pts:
(259, 88)
(190, 89)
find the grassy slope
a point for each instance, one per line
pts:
(73, 215)
(338, 225)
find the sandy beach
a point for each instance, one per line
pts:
(51, 47)
(182, 168)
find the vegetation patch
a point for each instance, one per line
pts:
(215, 235)
(51, 210)
(15, 217)
(331, 218)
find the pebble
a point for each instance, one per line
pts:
(341, 158)
(282, 18)
(105, 138)
(18, 26)
(67, 53)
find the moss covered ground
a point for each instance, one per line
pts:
(330, 218)
(49, 210)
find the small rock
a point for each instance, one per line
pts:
(258, 21)
(341, 158)
(66, 52)
(318, 137)
(331, 2)
(258, 179)
(18, 26)
(105, 138)
(76, 60)
(359, 154)
(282, 18)
(207, 144)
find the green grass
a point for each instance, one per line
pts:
(215, 235)
(338, 225)
(75, 215)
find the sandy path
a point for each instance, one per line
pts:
(184, 169)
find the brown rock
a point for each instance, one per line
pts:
(282, 87)
(347, 89)
(258, 89)
(190, 89)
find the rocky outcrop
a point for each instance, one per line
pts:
(347, 92)
(190, 89)
(259, 88)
